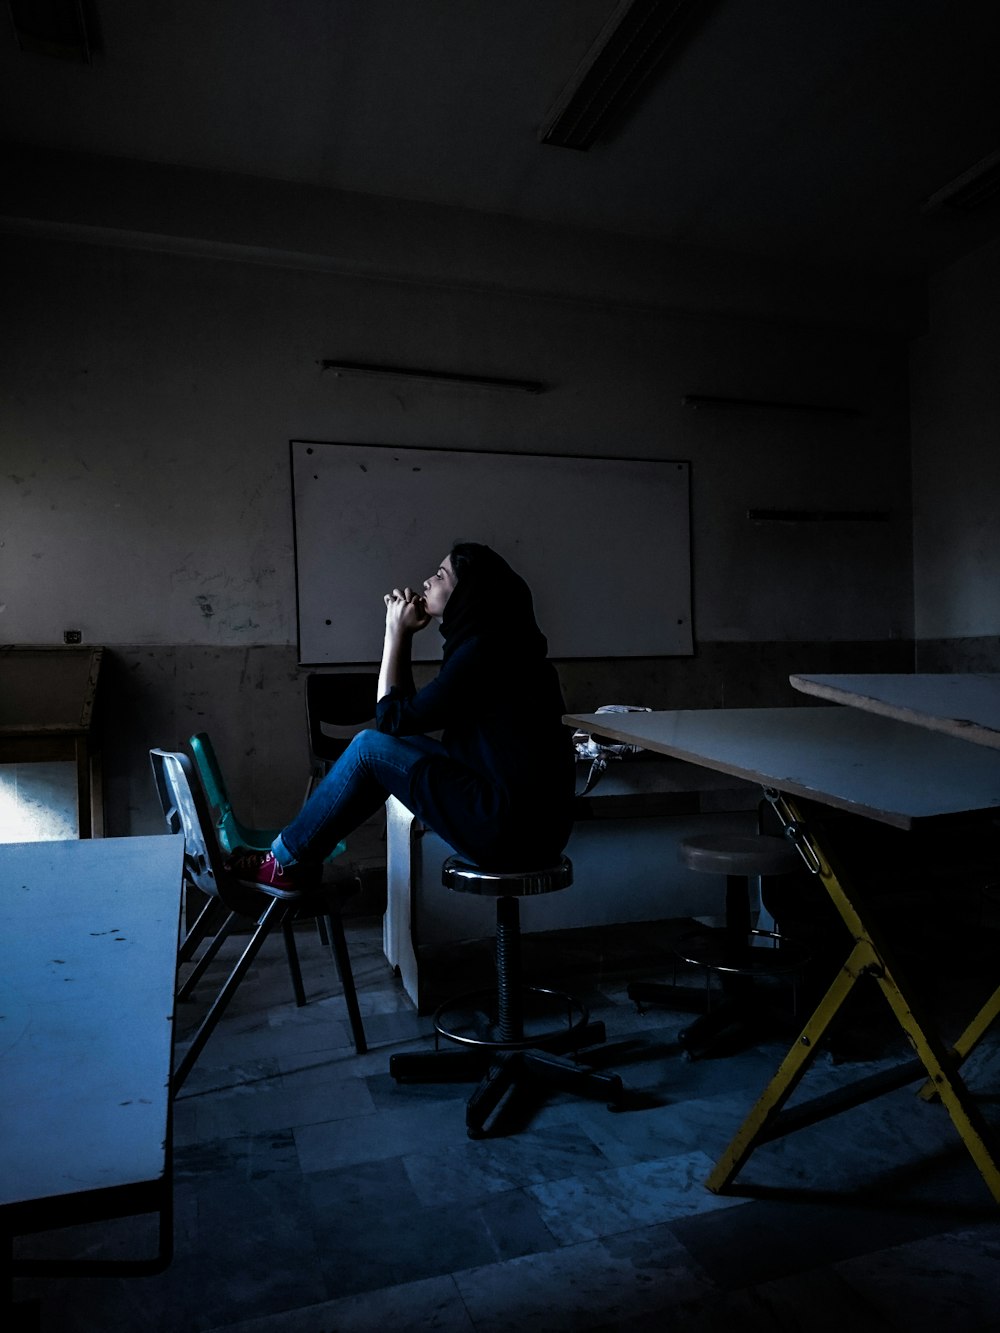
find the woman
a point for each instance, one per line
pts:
(498, 786)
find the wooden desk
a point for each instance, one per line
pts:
(47, 699)
(877, 767)
(966, 705)
(87, 976)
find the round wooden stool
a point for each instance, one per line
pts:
(489, 1024)
(737, 953)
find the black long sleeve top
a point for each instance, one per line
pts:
(505, 786)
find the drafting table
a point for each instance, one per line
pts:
(89, 960)
(47, 712)
(965, 705)
(876, 767)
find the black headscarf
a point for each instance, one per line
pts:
(491, 602)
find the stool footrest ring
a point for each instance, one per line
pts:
(577, 1018)
(715, 950)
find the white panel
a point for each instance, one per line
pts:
(603, 543)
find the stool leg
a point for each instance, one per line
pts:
(497, 1081)
(510, 1018)
(498, 1068)
(738, 923)
(732, 1019)
(569, 1077)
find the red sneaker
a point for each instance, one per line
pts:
(259, 870)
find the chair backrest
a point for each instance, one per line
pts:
(213, 785)
(338, 706)
(186, 811)
(230, 831)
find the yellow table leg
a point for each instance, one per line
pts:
(867, 957)
(789, 1074)
(970, 1038)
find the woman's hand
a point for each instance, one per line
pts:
(405, 612)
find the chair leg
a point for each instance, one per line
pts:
(292, 954)
(204, 924)
(216, 943)
(338, 947)
(275, 914)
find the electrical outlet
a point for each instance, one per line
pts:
(72, 636)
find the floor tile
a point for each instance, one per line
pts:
(410, 1307)
(624, 1198)
(313, 1192)
(389, 1134)
(947, 1281)
(363, 1251)
(582, 1286)
(471, 1170)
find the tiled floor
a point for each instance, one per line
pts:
(314, 1194)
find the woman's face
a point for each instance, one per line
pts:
(438, 588)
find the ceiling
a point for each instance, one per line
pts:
(807, 130)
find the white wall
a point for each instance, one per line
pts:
(956, 453)
(161, 339)
(150, 399)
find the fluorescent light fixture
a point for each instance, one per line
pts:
(633, 41)
(363, 369)
(970, 189)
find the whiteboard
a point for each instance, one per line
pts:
(603, 543)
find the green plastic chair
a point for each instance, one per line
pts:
(229, 830)
(185, 809)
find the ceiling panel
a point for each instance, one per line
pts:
(779, 128)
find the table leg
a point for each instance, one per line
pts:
(867, 958)
(970, 1038)
(83, 799)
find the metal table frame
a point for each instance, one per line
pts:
(936, 1063)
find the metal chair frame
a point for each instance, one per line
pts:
(231, 832)
(186, 811)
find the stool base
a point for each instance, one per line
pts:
(744, 1014)
(498, 1046)
(516, 1069)
(499, 1072)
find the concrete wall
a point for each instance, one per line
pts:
(956, 468)
(152, 384)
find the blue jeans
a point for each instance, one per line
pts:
(372, 768)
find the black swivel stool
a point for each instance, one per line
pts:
(489, 1026)
(737, 953)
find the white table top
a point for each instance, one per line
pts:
(849, 759)
(965, 705)
(87, 973)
